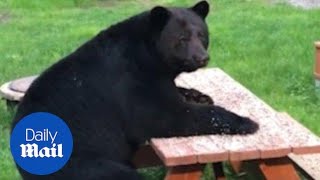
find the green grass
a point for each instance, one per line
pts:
(267, 47)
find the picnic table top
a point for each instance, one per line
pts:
(278, 136)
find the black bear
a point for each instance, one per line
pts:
(117, 91)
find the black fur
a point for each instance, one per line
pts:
(117, 91)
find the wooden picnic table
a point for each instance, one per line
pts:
(279, 135)
(279, 138)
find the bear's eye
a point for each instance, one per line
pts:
(200, 34)
(202, 37)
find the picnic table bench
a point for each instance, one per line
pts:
(279, 147)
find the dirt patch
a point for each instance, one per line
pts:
(307, 4)
(108, 3)
(4, 17)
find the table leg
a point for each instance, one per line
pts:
(190, 172)
(236, 166)
(218, 171)
(278, 168)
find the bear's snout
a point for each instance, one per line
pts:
(201, 59)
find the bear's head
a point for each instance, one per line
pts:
(183, 36)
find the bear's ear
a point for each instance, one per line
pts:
(201, 8)
(159, 16)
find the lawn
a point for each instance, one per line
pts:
(267, 47)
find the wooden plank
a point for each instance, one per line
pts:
(301, 139)
(205, 149)
(310, 163)
(209, 149)
(174, 151)
(271, 144)
(279, 168)
(239, 148)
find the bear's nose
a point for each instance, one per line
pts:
(205, 58)
(202, 59)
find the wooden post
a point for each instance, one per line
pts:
(317, 68)
(317, 60)
(278, 168)
(236, 166)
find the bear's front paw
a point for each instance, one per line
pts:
(204, 99)
(240, 126)
(194, 96)
(227, 122)
(247, 126)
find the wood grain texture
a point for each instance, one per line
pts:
(277, 137)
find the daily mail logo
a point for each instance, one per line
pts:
(41, 143)
(32, 150)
